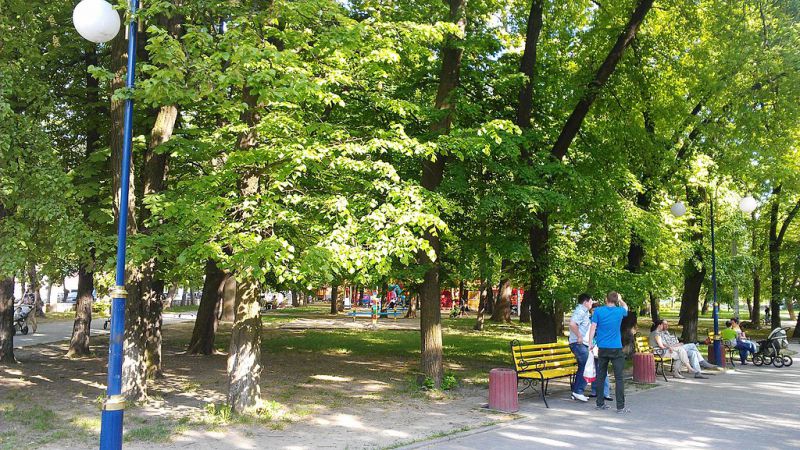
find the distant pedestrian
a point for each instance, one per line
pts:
(606, 322)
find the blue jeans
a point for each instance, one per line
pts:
(581, 353)
(744, 348)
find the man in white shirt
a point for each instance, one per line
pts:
(579, 325)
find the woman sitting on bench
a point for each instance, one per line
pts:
(675, 350)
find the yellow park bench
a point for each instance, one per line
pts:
(542, 363)
(643, 346)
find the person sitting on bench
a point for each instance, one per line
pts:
(662, 341)
(734, 333)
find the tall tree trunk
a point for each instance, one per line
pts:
(244, 355)
(704, 308)
(227, 308)
(432, 174)
(694, 270)
(334, 297)
(295, 298)
(654, 306)
(502, 309)
(205, 326)
(750, 308)
(542, 311)
(155, 173)
(81, 328)
(6, 316)
(775, 242)
(525, 307)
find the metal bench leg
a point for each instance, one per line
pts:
(544, 397)
(528, 385)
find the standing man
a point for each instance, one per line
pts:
(606, 323)
(579, 325)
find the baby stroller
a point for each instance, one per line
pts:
(21, 314)
(769, 350)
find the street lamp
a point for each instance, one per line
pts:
(97, 21)
(747, 205)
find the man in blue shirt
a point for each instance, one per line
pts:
(579, 324)
(605, 328)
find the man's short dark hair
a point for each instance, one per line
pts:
(584, 298)
(728, 323)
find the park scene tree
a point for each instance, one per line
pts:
(332, 208)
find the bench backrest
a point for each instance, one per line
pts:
(541, 356)
(643, 345)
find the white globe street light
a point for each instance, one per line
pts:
(748, 205)
(678, 209)
(96, 20)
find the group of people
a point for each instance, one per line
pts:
(596, 331)
(688, 355)
(734, 334)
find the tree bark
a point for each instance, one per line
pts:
(432, 174)
(36, 286)
(6, 316)
(228, 310)
(502, 309)
(334, 296)
(205, 326)
(295, 298)
(654, 306)
(81, 328)
(244, 355)
(525, 307)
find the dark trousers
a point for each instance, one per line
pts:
(617, 359)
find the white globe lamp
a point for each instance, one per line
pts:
(96, 20)
(678, 209)
(748, 205)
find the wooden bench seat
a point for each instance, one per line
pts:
(643, 346)
(542, 363)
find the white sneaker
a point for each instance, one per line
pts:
(580, 397)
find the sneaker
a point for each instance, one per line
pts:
(592, 395)
(677, 375)
(700, 376)
(608, 399)
(623, 411)
(580, 397)
(601, 407)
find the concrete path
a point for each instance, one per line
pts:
(751, 407)
(61, 330)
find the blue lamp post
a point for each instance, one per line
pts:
(747, 205)
(97, 21)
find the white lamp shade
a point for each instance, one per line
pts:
(748, 204)
(96, 20)
(678, 209)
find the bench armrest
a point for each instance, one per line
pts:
(533, 364)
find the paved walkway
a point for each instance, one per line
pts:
(61, 330)
(751, 407)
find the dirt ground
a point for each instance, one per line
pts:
(312, 400)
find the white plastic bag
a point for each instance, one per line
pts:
(589, 373)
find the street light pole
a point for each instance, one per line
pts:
(97, 21)
(717, 342)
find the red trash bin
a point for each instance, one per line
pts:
(644, 368)
(503, 390)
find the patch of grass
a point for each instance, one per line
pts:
(181, 309)
(160, 431)
(36, 417)
(89, 425)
